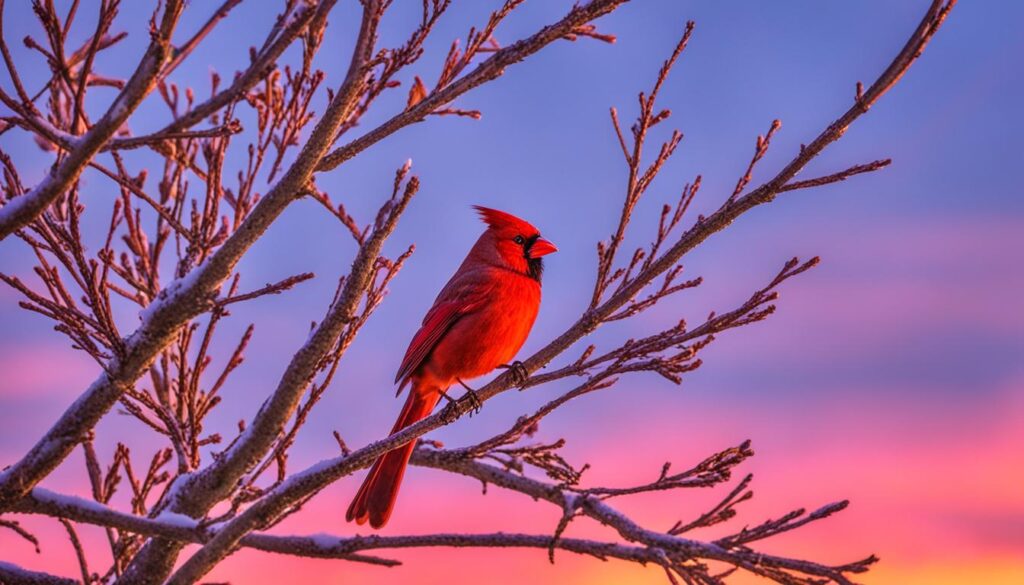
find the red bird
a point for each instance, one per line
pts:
(478, 322)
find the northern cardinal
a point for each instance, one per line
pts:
(478, 322)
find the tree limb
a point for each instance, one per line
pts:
(19, 211)
(41, 501)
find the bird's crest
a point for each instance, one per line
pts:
(500, 220)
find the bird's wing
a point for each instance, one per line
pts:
(450, 306)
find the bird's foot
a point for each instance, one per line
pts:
(450, 413)
(519, 373)
(472, 397)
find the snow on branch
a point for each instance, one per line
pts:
(323, 546)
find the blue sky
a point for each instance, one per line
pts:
(911, 326)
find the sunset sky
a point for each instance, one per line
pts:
(892, 374)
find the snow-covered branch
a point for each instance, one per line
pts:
(325, 546)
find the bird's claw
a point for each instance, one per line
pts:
(472, 397)
(474, 402)
(519, 373)
(450, 413)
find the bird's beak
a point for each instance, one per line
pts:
(541, 247)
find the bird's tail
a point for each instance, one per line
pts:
(376, 497)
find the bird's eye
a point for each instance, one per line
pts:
(519, 240)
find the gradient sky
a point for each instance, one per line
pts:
(892, 374)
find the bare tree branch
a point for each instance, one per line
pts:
(837, 177)
(76, 543)
(490, 69)
(19, 211)
(289, 27)
(17, 528)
